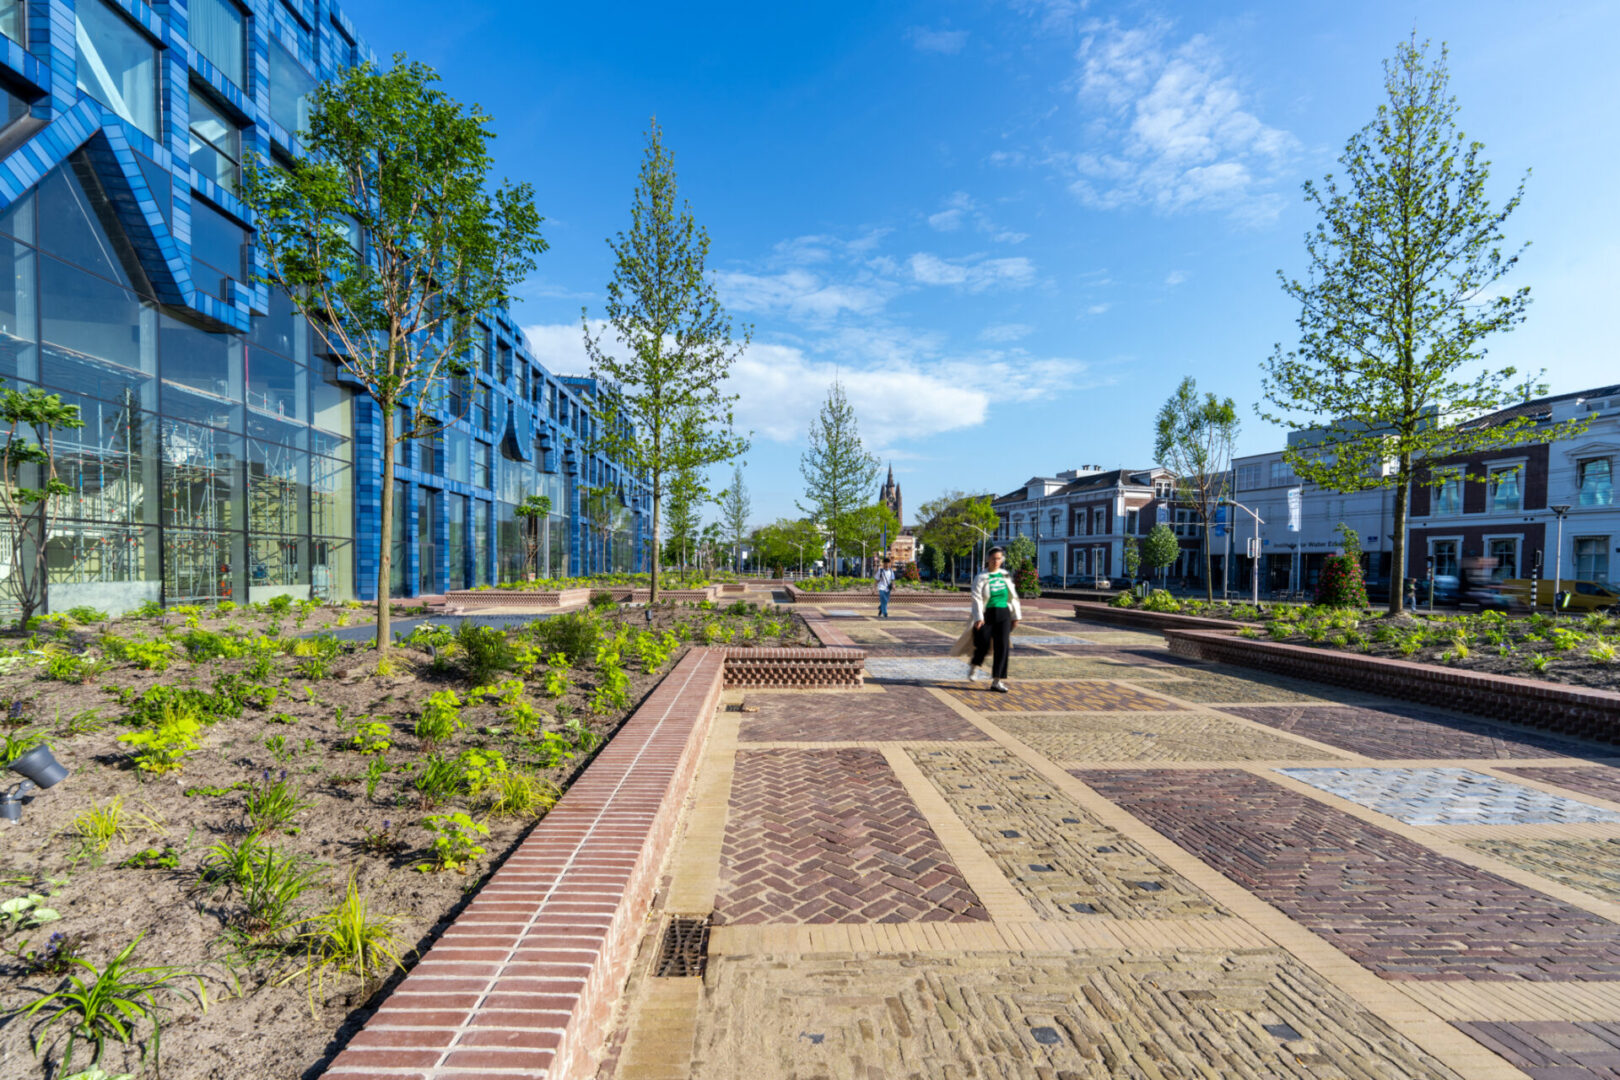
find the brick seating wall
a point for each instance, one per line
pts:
(525, 981)
(1132, 619)
(795, 669)
(497, 599)
(1571, 710)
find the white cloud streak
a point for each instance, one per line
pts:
(942, 42)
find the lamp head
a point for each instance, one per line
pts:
(1561, 509)
(40, 766)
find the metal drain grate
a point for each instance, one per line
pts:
(685, 950)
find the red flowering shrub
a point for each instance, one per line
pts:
(1341, 584)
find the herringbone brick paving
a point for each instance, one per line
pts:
(1410, 731)
(827, 836)
(1183, 736)
(1061, 697)
(899, 713)
(1602, 781)
(1390, 903)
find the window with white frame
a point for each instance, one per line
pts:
(1504, 554)
(1282, 473)
(1444, 554)
(1186, 522)
(1247, 477)
(1448, 496)
(1592, 558)
(1099, 516)
(118, 65)
(1503, 486)
(1131, 519)
(1596, 476)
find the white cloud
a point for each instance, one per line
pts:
(973, 274)
(800, 294)
(960, 207)
(944, 42)
(1174, 278)
(1098, 309)
(1003, 332)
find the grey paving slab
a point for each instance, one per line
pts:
(1450, 797)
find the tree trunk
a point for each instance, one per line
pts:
(385, 558)
(652, 577)
(1209, 574)
(1397, 570)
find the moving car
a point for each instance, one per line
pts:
(1584, 596)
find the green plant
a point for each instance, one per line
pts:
(381, 842)
(556, 677)
(231, 864)
(272, 804)
(276, 881)
(437, 779)
(1602, 652)
(98, 826)
(163, 748)
(372, 737)
(1538, 664)
(56, 957)
(201, 645)
(85, 615)
(517, 794)
(279, 750)
(70, 667)
(440, 718)
(479, 769)
(574, 635)
(17, 743)
(25, 913)
(455, 845)
(485, 652)
(428, 637)
(347, 938)
(111, 1002)
(376, 768)
(584, 739)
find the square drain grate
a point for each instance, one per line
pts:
(685, 950)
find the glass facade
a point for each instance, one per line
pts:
(224, 454)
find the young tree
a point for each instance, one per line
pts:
(950, 524)
(1133, 558)
(785, 543)
(1195, 442)
(1021, 552)
(389, 240)
(684, 519)
(32, 418)
(1397, 304)
(837, 470)
(863, 530)
(675, 343)
(734, 510)
(534, 512)
(1160, 548)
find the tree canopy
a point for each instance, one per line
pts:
(1194, 438)
(838, 472)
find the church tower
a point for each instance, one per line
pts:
(890, 497)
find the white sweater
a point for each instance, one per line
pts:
(981, 596)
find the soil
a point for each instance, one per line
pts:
(262, 1019)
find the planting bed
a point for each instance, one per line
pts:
(290, 715)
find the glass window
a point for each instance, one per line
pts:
(202, 374)
(277, 386)
(1505, 554)
(290, 89)
(427, 456)
(331, 496)
(506, 362)
(402, 446)
(161, 181)
(332, 410)
(1504, 489)
(99, 339)
(458, 453)
(331, 566)
(480, 415)
(109, 465)
(480, 544)
(202, 477)
(1444, 554)
(216, 247)
(11, 21)
(1247, 477)
(216, 30)
(1448, 497)
(481, 465)
(396, 568)
(216, 144)
(480, 350)
(1592, 558)
(1597, 482)
(77, 222)
(278, 489)
(1282, 474)
(117, 64)
(18, 329)
(427, 549)
(456, 547)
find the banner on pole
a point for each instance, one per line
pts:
(1296, 500)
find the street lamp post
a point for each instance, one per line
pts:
(1255, 560)
(982, 532)
(1560, 511)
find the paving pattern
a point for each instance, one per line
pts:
(1179, 736)
(830, 836)
(1134, 865)
(1450, 797)
(1064, 862)
(1061, 697)
(1395, 731)
(1393, 905)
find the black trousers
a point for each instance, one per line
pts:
(996, 632)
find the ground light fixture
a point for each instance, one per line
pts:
(38, 769)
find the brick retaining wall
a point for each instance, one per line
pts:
(1573, 710)
(524, 982)
(499, 599)
(1134, 619)
(795, 669)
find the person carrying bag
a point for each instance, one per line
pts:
(995, 613)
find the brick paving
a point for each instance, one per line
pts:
(1391, 904)
(830, 836)
(1183, 736)
(899, 713)
(1061, 697)
(1603, 781)
(1023, 665)
(1210, 686)
(1450, 797)
(1407, 731)
(1590, 864)
(1553, 1049)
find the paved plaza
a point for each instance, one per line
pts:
(1132, 865)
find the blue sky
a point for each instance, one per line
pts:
(1012, 228)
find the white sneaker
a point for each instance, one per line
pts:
(975, 674)
(1000, 687)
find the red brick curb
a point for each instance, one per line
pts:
(524, 982)
(1572, 710)
(1151, 620)
(468, 599)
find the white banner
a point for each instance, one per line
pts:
(1296, 500)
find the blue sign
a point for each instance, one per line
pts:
(1220, 521)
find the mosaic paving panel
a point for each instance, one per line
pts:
(1022, 665)
(1120, 637)
(1183, 736)
(830, 836)
(1552, 1049)
(1395, 906)
(867, 633)
(1210, 686)
(930, 669)
(934, 652)
(1591, 864)
(900, 713)
(1399, 731)
(1062, 697)
(1094, 1016)
(920, 634)
(1449, 797)
(1601, 781)
(1065, 863)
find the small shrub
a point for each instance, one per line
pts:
(164, 747)
(228, 863)
(85, 615)
(1538, 664)
(1341, 584)
(556, 678)
(372, 737)
(71, 668)
(1160, 600)
(574, 635)
(485, 652)
(349, 938)
(437, 779)
(455, 842)
(603, 601)
(163, 858)
(272, 804)
(440, 718)
(201, 645)
(1602, 652)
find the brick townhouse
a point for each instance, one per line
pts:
(1081, 517)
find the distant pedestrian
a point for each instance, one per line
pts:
(995, 613)
(883, 582)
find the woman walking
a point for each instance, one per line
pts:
(995, 613)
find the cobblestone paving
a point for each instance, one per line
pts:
(899, 713)
(929, 669)
(901, 649)
(1552, 1049)
(1059, 857)
(1208, 685)
(1183, 736)
(1024, 666)
(1602, 781)
(1406, 731)
(1091, 1016)
(1590, 864)
(1449, 797)
(1391, 904)
(1061, 697)
(825, 836)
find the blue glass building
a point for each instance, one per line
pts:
(223, 455)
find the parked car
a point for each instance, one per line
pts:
(1584, 596)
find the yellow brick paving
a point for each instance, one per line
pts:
(1240, 990)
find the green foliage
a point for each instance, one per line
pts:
(111, 1003)
(455, 842)
(349, 938)
(574, 635)
(440, 718)
(437, 779)
(31, 419)
(1133, 557)
(272, 891)
(1161, 601)
(71, 667)
(372, 737)
(517, 794)
(203, 645)
(518, 715)
(1160, 548)
(227, 863)
(272, 804)
(164, 858)
(1027, 580)
(837, 469)
(1021, 552)
(85, 615)
(14, 744)
(375, 769)
(164, 746)
(485, 652)
(96, 827)
(25, 913)
(556, 677)
(1341, 585)
(1194, 438)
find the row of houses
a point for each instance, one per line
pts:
(1547, 505)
